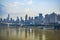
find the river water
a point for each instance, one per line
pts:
(22, 33)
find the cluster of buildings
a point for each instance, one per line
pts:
(37, 20)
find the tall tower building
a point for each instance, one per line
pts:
(17, 20)
(22, 21)
(41, 19)
(47, 19)
(8, 17)
(58, 18)
(51, 19)
(26, 17)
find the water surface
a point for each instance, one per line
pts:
(20, 33)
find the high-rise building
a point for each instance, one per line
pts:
(52, 18)
(39, 19)
(22, 21)
(17, 20)
(40, 15)
(26, 17)
(58, 18)
(11, 20)
(0, 20)
(26, 20)
(30, 20)
(36, 20)
(47, 19)
(8, 18)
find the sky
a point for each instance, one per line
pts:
(31, 7)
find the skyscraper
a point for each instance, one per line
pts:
(31, 20)
(8, 18)
(39, 19)
(0, 20)
(58, 18)
(52, 18)
(47, 19)
(36, 20)
(17, 20)
(22, 21)
(26, 17)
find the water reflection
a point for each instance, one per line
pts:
(9, 33)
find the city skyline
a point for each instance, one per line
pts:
(48, 19)
(31, 7)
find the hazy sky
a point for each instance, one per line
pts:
(31, 7)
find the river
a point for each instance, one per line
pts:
(22, 33)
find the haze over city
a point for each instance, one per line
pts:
(31, 7)
(29, 19)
